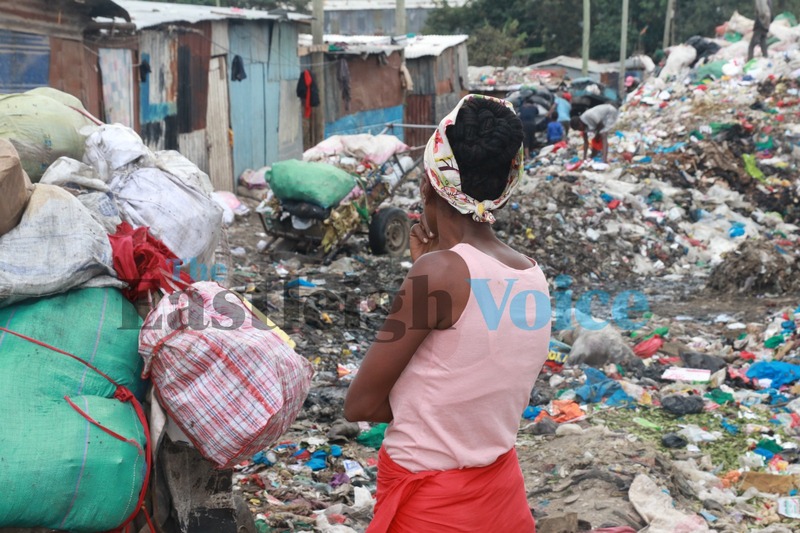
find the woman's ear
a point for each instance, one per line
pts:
(425, 190)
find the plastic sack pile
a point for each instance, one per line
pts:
(86, 251)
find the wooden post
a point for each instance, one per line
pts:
(587, 23)
(318, 70)
(400, 17)
(668, 24)
(623, 50)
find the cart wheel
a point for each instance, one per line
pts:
(388, 232)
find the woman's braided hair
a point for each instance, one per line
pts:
(485, 139)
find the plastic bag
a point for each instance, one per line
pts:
(42, 129)
(182, 217)
(112, 147)
(15, 187)
(229, 382)
(316, 183)
(56, 246)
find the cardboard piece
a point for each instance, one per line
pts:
(692, 375)
(15, 187)
(769, 483)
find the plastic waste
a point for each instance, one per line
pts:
(778, 372)
(680, 405)
(673, 440)
(373, 438)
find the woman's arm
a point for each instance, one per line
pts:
(416, 311)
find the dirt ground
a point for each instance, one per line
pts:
(577, 479)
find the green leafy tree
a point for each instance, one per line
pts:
(489, 46)
(556, 25)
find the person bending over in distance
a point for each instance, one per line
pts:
(452, 367)
(598, 121)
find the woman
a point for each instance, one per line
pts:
(453, 366)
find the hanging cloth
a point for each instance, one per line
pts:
(405, 78)
(307, 90)
(343, 77)
(237, 69)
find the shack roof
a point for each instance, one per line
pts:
(354, 44)
(432, 45)
(576, 63)
(151, 14)
(353, 5)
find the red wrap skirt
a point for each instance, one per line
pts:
(468, 500)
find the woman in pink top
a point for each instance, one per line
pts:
(452, 367)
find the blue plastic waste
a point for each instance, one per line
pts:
(599, 386)
(737, 230)
(670, 149)
(779, 372)
(531, 413)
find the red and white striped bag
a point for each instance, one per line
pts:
(229, 382)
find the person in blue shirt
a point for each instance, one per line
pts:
(562, 108)
(555, 131)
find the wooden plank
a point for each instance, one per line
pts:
(193, 146)
(220, 159)
(290, 133)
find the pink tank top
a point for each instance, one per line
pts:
(459, 401)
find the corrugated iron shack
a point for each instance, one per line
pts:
(438, 66)
(363, 83)
(57, 43)
(216, 83)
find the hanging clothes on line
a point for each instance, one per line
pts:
(307, 90)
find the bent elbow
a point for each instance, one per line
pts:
(352, 413)
(349, 413)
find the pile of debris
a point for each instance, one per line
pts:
(687, 413)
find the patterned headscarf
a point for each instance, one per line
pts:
(441, 168)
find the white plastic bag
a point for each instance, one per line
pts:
(57, 246)
(111, 147)
(184, 218)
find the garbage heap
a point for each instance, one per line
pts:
(701, 183)
(110, 261)
(680, 422)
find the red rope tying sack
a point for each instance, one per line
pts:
(124, 395)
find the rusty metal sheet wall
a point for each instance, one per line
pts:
(373, 85)
(74, 70)
(54, 18)
(422, 74)
(419, 110)
(158, 99)
(194, 55)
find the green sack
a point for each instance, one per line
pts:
(711, 70)
(316, 183)
(42, 128)
(59, 470)
(733, 37)
(97, 325)
(787, 16)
